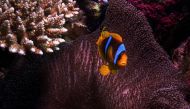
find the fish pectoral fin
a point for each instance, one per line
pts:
(104, 70)
(98, 41)
(113, 71)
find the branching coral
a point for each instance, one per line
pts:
(36, 25)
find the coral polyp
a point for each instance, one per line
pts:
(35, 25)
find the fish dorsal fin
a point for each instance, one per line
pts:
(116, 37)
(104, 35)
(120, 49)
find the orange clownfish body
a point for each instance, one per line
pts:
(113, 51)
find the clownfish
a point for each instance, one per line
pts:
(112, 49)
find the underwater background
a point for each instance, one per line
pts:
(49, 58)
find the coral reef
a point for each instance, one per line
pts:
(164, 17)
(69, 79)
(148, 82)
(37, 26)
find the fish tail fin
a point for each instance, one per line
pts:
(104, 70)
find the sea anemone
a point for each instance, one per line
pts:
(181, 57)
(37, 26)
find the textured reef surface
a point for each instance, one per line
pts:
(37, 26)
(69, 79)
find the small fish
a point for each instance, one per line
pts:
(113, 51)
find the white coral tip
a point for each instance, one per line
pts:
(57, 48)
(40, 52)
(76, 9)
(55, 42)
(69, 15)
(13, 49)
(32, 49)
(44, 37)
(11, 9)
(49, 50)
(64, 29)
(21, 52)
(61, 40)
(29, 42)
(3, 45)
